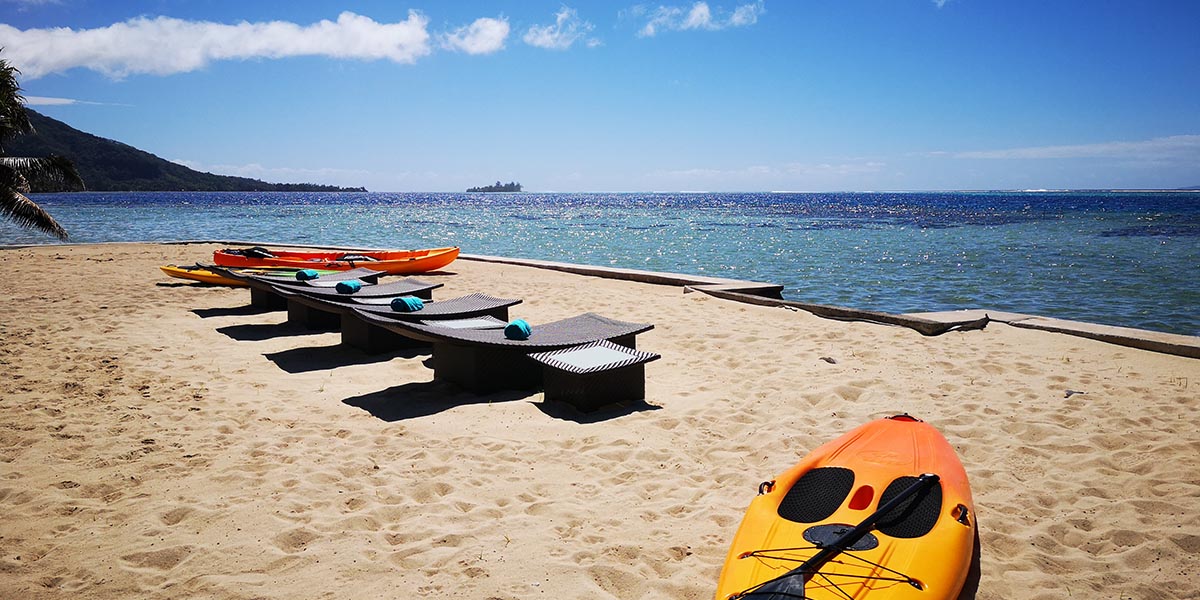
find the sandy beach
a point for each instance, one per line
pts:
(160, 439)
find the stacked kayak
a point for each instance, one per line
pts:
(199, 273)
(235, 278)
(883, 511)
(392, 262)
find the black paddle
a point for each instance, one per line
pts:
(791, 584)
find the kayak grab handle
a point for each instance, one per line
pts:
(766, 487)
(960, 514)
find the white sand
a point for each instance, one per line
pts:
(159, 441)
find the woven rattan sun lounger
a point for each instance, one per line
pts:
(263, 295)
(325, 312)
(483, 360)
(405, 287)
(594, 375)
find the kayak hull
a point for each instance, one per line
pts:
(924, 553)
(200, 274)
(392, 262)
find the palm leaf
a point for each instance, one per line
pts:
(20, 209)
(13, 119)
(53, 170)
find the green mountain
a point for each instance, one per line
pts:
(109, 166)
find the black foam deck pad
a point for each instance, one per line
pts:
(916, 516)
(817, 494)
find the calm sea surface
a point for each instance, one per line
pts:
(1130, 259)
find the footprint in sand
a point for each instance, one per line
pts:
(173, 517)
(295, 540)
(159, 560)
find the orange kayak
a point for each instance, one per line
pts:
(884, 511)
(394, 262)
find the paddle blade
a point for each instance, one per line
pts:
(784, 588)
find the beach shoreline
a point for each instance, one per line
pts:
(162, 439)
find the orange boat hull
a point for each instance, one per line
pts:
(394, 262)
(925, 555)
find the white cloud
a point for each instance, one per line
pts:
(698, 16)
(566, 30)
(839, 169)
(484, 36)
(746, 14)
(940, 3)
(48, 101)
(45, 101)
(1177, 147)
(26, 4)
(164, 45)
(758, 172)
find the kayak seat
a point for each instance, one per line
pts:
(816, 495)
(916, 516)
(255, 252)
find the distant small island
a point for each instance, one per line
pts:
(498, 187)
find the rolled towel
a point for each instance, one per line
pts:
(307, 274)
(407, 304)
(518, 329)
(348, 287)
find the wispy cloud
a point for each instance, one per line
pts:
(839, 169)
(698, 16)
(940, 3)
(164, 45)
(808, 170)
(48, 101)
(26, 4)
(484, 36)
(567, 29)
(1177, 147)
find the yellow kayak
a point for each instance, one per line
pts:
(883, 511)
(198, 273)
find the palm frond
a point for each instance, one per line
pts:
(53, 170)
(13, 119)
(20, 209)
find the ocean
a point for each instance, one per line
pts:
(1118, 258)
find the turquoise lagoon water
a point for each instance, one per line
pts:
(1128, 259)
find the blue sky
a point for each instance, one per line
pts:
(740, 95)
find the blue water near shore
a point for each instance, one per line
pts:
(1117, 258)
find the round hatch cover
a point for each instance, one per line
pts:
(825, 535)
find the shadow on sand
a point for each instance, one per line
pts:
(230, 311)
(323, 358)
(257, 332)
(971, 586)
(422, 399)
(566, 412)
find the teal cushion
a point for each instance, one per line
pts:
(348, 287)
(407, 304)
(307, 274)
(518, 329)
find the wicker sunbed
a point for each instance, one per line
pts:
(263, 295)
(483, 360)
(325, 312)
(408, 286)
(593, 375)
